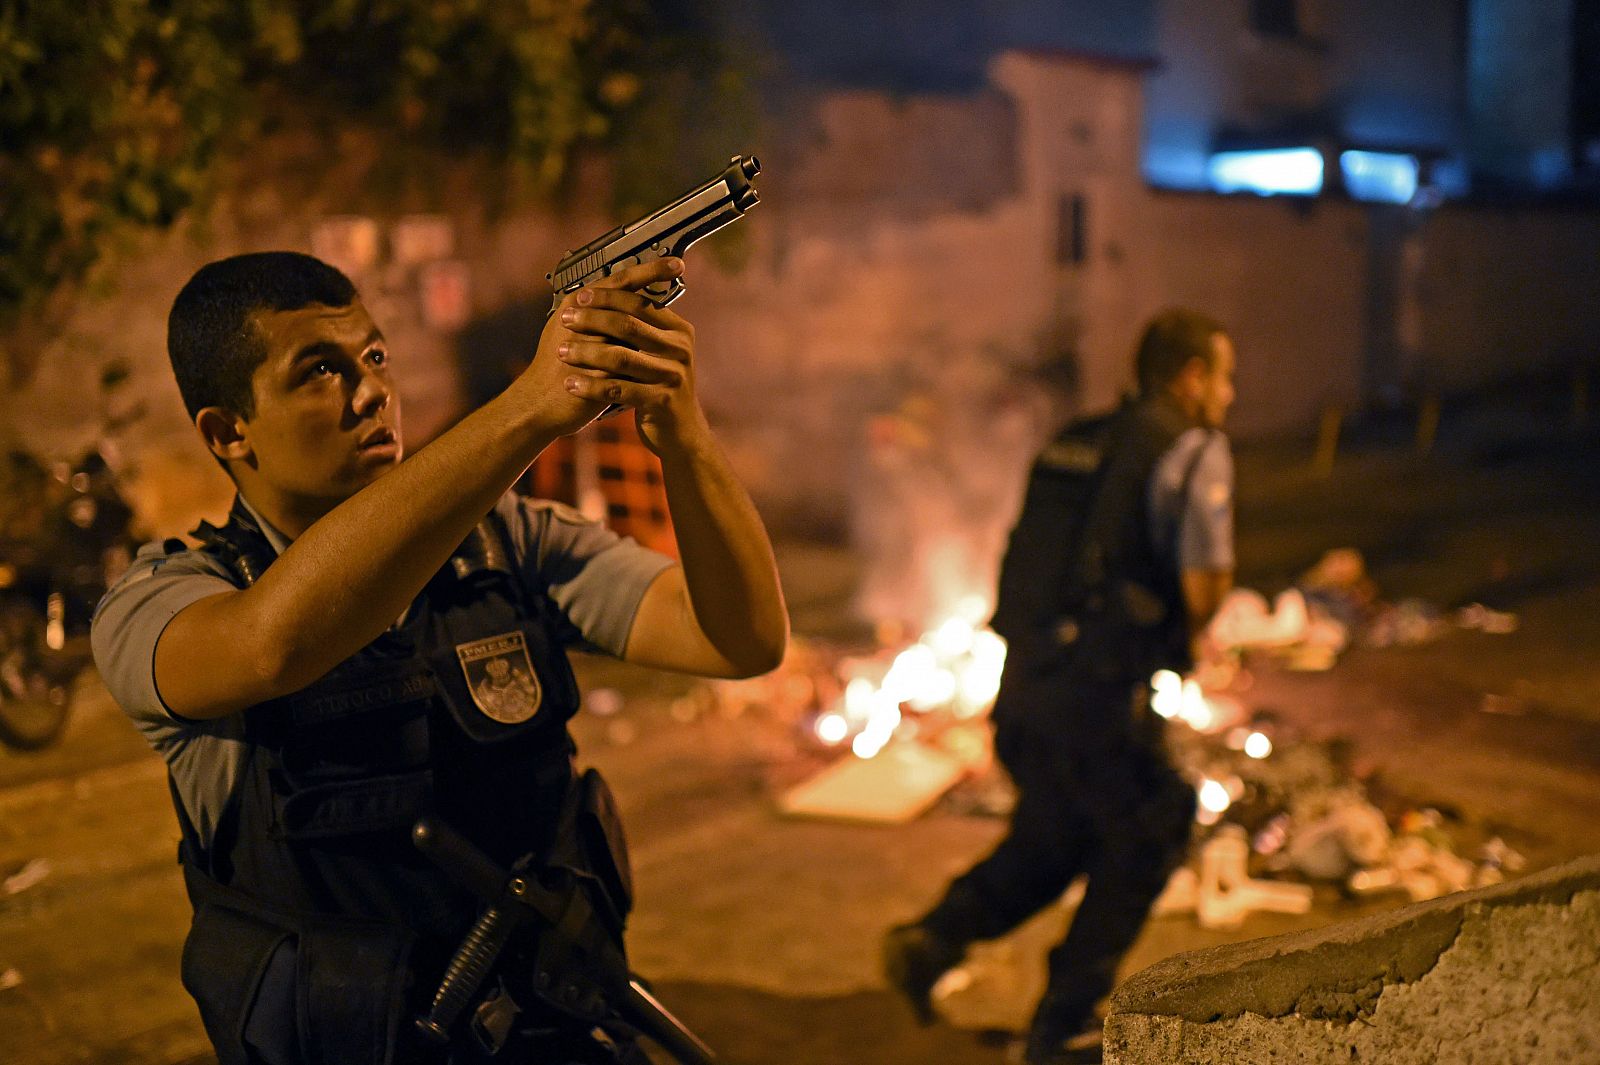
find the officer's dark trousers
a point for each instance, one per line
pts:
(1094, 799)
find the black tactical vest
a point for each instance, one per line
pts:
(459, 711)
(1082, 581)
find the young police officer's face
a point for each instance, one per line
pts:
(327, 419)
(1216, 393)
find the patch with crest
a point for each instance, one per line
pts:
(500, 677)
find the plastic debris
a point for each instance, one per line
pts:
(1479, 617)
(1497, 854)
(1181, 894)
(1423, 864)
(26, 877)
(1226, 893)
(1244, 620)
(1509, 706)
(1351, 833)
(1405, 624)
(10, 978)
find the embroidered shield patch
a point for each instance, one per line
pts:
(500, 677)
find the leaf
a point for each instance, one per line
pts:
(117, 116)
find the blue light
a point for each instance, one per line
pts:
(1268, 172)
(1382, 177)
(1452, 178)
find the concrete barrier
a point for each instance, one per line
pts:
(1504, 975)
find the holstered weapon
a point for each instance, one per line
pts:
(578, 967)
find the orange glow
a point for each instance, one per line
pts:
(954, 668)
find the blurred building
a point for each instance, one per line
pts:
(962, 231)
(1493, 96)
(1268, 95)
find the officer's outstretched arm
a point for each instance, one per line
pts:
(355, 568)
(722, 612)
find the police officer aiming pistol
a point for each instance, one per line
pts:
(367, 643)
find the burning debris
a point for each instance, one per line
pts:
(902, 727)
(947, 677)
(912, 719)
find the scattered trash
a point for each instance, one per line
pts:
(1507, 705)
(1287, 807)
(1223, 893)
(1352, 833)
(1338, 586)
(9, 979)
(1500, 856)
(1243, 620)
(1309, 625)
(1477, 616)
(26, 877)
(1427, 871)
(1181, 894)
(1311, 658)
(893, 788)
(905, 726)
(1404, 624)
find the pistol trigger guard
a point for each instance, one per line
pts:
(661, 296)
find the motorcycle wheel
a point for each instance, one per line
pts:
(33, 702)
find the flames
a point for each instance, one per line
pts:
(1177, 698)
(953, 669)
(951, 675)
(1174, 697)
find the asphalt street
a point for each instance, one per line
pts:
(762, 931)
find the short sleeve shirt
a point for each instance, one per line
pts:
(1195, 525)
(595, 577)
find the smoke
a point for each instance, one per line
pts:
(939, 485)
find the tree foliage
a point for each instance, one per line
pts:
(117, 113)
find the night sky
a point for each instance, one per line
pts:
(918, 46)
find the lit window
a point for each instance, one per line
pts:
(1383, 177)
(1268, 172)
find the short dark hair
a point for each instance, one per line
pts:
(1172, 338)
(212, 341)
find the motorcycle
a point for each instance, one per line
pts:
(65, 535)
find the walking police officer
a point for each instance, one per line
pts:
(367, 641)
(1122, 552)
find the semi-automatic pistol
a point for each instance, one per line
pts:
(665, 231)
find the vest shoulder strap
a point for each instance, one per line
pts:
(238, 542)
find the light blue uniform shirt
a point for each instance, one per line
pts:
(1203, 519)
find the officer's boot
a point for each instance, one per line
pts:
(1064, 1027)
(914, 957)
